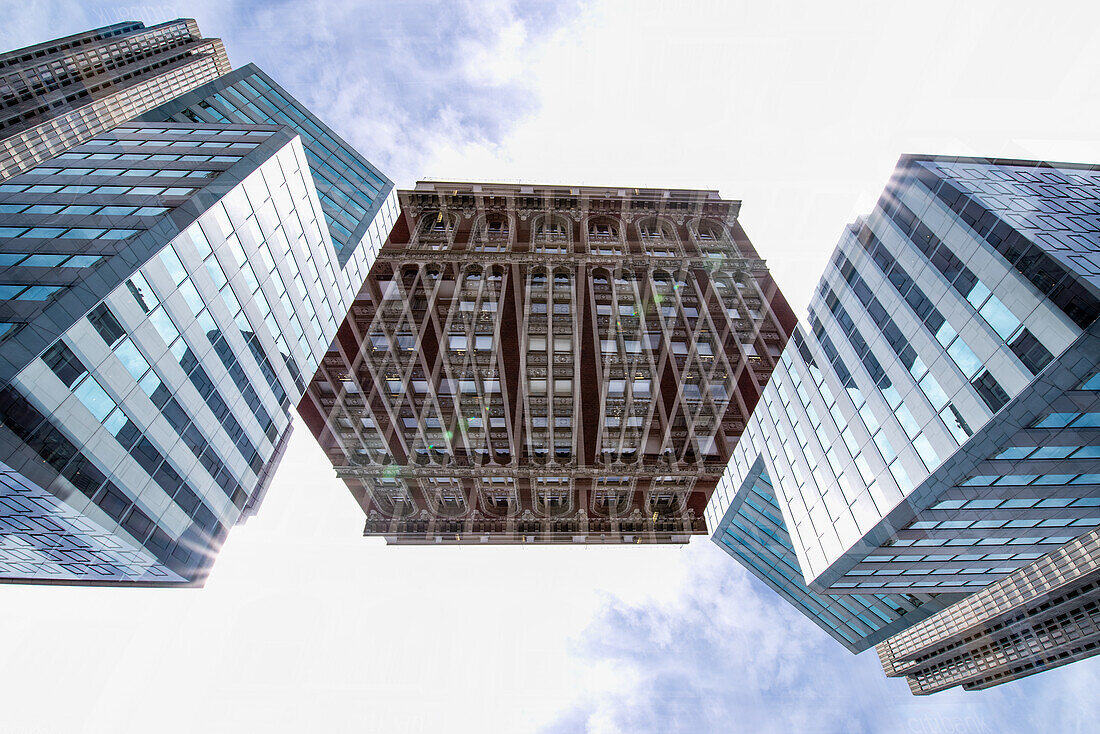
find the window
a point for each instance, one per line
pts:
(64, 363)
(601, 231)
(106, 324)
(551, 229)
(990, 391)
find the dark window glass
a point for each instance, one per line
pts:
(64, 363)
(1031, 352)
(128, 435)
(168, 479)
(137, 523)
(84, 475)
(187, 500)
(113, 502)
(106, 324)
(990, 391)
(53, 447)
(17, 414)
(146, 454)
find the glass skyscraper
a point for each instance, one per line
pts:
(166, 292)
(59, 93)
(932, 426)
(752, 530)
(358, 201)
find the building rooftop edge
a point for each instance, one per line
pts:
(997, 161)
(573, 190)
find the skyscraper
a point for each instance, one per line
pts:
(59, 93)
(933, 427)
(357, 199)
(548, 364)
(166, 291)
(1038, 617)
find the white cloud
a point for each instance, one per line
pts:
(724, 653)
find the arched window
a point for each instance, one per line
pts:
(492, 233)
(712, 239)
(551, 235)
(612, 496)
(658, 237)
(605, 237)
(390, 496)
(436, 231)
(668, 495)
(498, 495)
(445, 494)
(553, 495)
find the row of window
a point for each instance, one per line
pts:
(104, 409)
(147, 378)
(28, 260)
(1020, 480)
(1008, 327)
(186, 158)
(103, 142)
(171, 336)
(101, 190)
(1018, 503)
(63, 233)
(925, 380)
(1049, 452)
(24, 292)
(961, 354)
(240, 319)
(1048, 276)
(62, 455)
(135, 172)
(84, 210)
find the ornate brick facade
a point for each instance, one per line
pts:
(548, 364)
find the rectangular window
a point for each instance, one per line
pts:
(142, 293)
(965, 358)
(990, 391)
(1031, 352)
(106, 324)
(64, 363)
(95, 399)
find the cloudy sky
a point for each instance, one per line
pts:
(798, 110)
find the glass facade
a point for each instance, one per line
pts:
(193, 289)
(752, 531)
(930, 428)
(351, 190)
(1039, 617)
(60, 93)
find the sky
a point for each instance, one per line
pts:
(800, 111)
